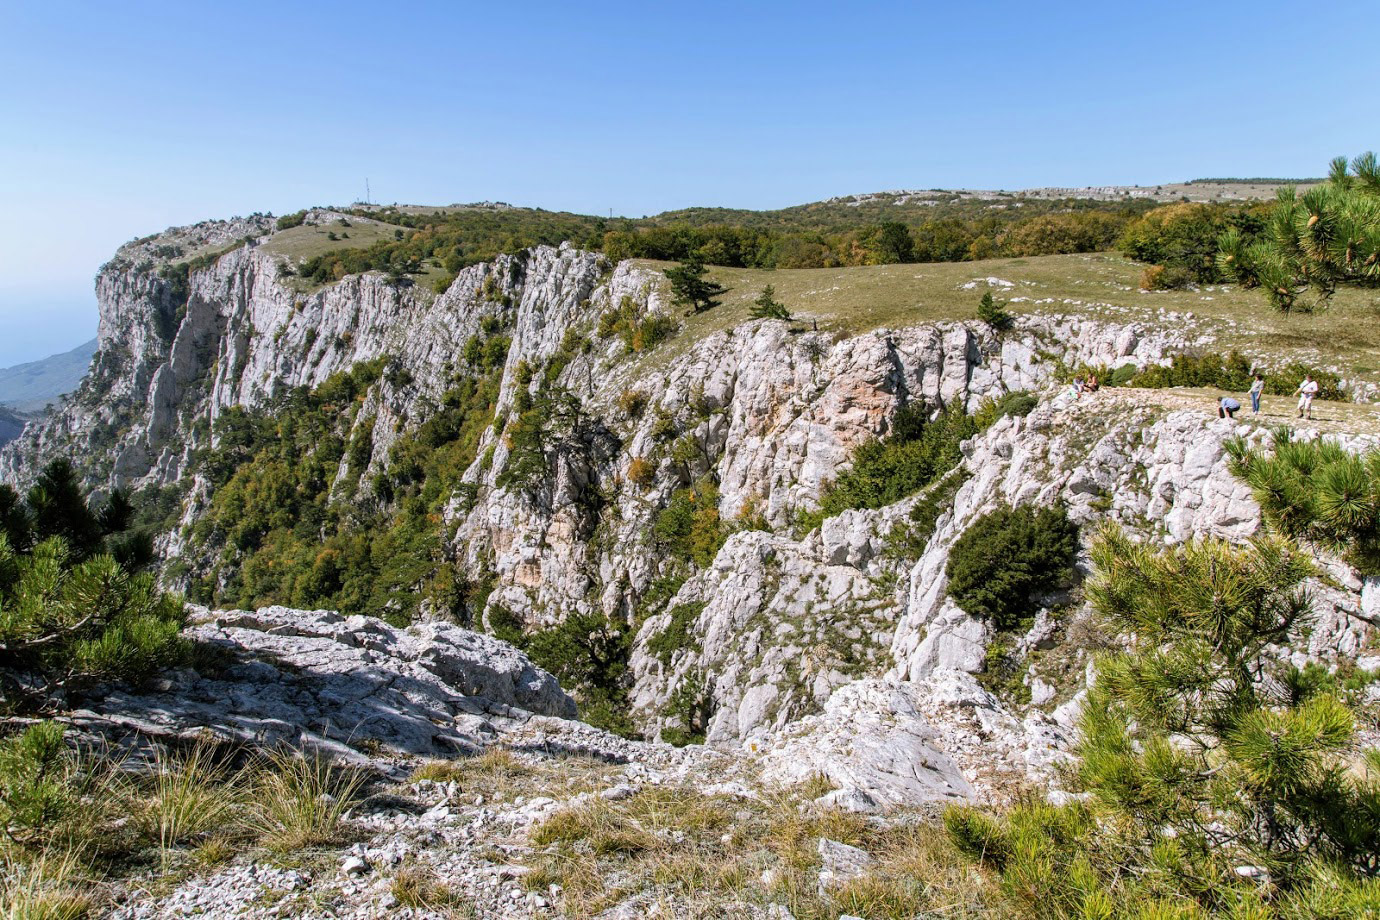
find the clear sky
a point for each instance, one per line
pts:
(120, 119)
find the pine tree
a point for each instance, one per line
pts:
(72, 609)
(1209, 763)
(1318, 492)
(1327, 237)
(994, 313)
(690, 288)
(766, 306)
(66, 623)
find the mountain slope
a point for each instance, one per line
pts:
(11, 423)
(548, 451)
(32, 386)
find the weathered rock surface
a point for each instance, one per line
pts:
(874, 745)
(342, 684)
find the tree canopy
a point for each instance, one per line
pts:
(1327, 237)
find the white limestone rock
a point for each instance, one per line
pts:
(342, 684)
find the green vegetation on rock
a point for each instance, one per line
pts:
(922, 445)
(1008, 558)
(1219, 783)
(277, 533)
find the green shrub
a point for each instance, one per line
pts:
(994, 313)
(689, 528)
(1181, 240)
(1019, 403)
(589, 654)
(1193, 760)
(1233, 372)
(74, 611)
(66, 625)
(1008, 557)
(766, 306)
(916, 452)
(38, 775)
(1122, 376)
(295, 219)
(676, 635)
(632, 403)
(639, 329)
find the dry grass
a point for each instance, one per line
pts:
(499, 775)
(300, 800)
(187, 798)
(697, 855)
(847, 301)
(495, 769)
(50, 887)
(417, 889)
(305, 241)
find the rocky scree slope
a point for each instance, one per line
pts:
(835, 652)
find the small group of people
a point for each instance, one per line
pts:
(1081, 385)
(1228, 406)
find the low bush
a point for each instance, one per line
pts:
(915, 453)
(639, 329)
(1007, 558)
(689, 527)
(1210, 791)
(641, 471)
(676, 636)
(295, 219)
(1233, 372)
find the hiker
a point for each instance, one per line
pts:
(1227, 407)
(1307, 390)
(1076, 388)
(1257, 387)
(1092, 384)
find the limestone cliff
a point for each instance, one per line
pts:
(811, 646)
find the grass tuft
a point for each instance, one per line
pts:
(299, 800)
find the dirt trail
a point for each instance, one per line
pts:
(1328, 417)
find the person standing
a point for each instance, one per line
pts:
(1257, 387)
(1307, 390)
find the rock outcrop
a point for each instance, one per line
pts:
(835, 651)
(353, 686)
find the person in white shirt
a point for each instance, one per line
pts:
(1307, 390)
(1257, 387)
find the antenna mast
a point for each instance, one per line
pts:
(366, 191)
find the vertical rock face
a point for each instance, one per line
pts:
(822, 647)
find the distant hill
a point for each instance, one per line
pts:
(11, 423)
(29, 387)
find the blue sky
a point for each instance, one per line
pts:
(117, 120)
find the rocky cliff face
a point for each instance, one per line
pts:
(834, 651)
